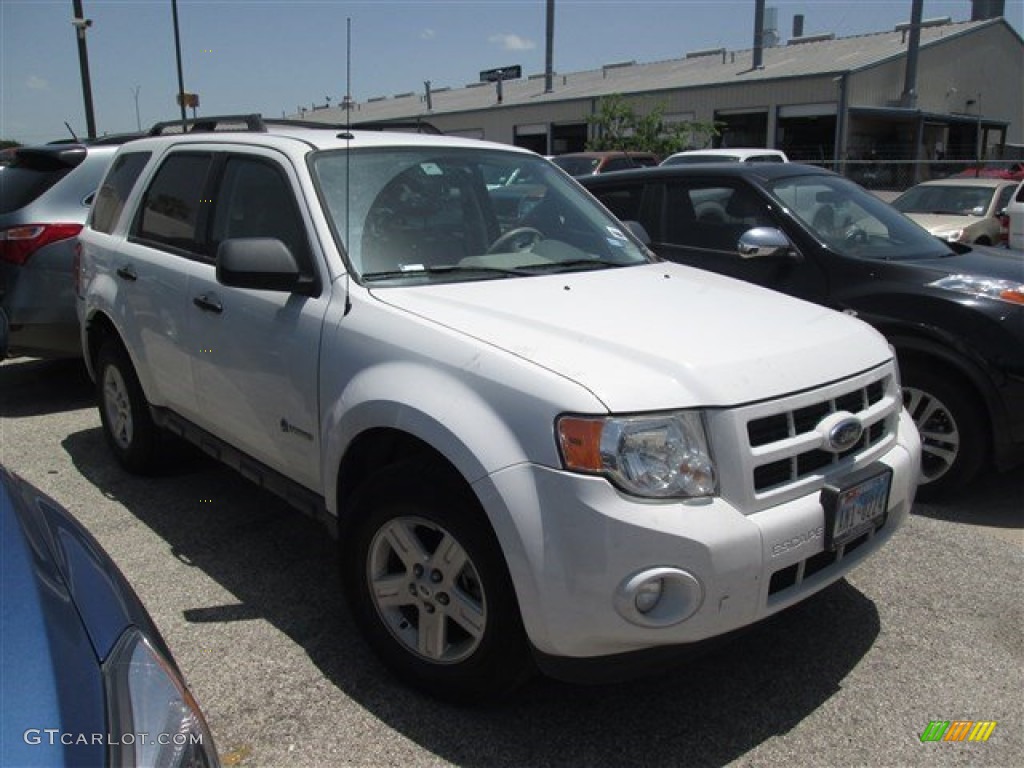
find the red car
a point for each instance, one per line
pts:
(1009, 169)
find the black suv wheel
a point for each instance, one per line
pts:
(952, 427)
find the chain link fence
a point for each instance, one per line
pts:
(898, 175)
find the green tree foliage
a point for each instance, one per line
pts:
(619, 126)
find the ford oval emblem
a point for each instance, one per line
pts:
(843, 435)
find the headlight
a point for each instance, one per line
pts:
(952, 235)
(1009, 291)
(660, 456)
(154, 721)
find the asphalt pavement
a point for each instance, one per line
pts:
(246, 594)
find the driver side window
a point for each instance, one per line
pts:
(255, 200)
(712, 216)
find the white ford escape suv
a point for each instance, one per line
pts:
(538, 444)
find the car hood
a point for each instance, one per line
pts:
(50, 668)
(656, 336)
(979, 260)
(943, 222)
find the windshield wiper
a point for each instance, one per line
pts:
(443, 270)
(571, 265)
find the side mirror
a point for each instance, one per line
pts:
(762, 242)
(638, 231)
(263, 263)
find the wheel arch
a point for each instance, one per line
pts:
(946, 353)
(378, 448)
(98, 329)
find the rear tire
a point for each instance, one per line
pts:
(429, 588)
(127, 423)
(953, 427)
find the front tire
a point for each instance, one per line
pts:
(952, 425)
(127, 423)
(429, 588)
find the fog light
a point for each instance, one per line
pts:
(659, 596)
(648, 595)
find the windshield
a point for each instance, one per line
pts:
(433, 214)
(952, 199)
(699, 159)
(852, 221)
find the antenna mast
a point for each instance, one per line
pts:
(348, 73)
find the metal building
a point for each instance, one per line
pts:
(820, 98)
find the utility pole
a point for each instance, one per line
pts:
(549, 47)
(81, 24)
(177, 52)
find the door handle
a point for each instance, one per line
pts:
(208, 304)
(127, 273)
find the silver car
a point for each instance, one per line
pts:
(45, 193)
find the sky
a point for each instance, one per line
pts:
(277, 56)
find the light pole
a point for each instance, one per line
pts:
(81, 24)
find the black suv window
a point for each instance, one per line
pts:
(711, 216)
(116, 187)
(171, 211)
(623, 201)
(255, 200)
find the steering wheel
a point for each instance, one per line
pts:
(855, 235)
(520, 239)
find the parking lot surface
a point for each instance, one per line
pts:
(246, 594)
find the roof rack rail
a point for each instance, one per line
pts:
(213, 124)
(256, 123)
(292, 122)
(401, 126)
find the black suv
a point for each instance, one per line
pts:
(955, 315)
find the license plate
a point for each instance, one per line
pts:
(856, 504)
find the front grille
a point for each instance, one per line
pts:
(770, 451)
(770, 435)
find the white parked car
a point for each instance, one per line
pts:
(537, 442)
(727, 155)
(959, 210)
(1015, 214)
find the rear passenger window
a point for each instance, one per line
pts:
(171, 211)
(116, 187)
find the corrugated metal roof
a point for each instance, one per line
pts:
(803, 59)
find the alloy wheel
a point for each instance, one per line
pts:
(117, 404)
(427, 590)
(940, 435)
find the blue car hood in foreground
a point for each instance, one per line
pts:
(50, 677)
(63, 606)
